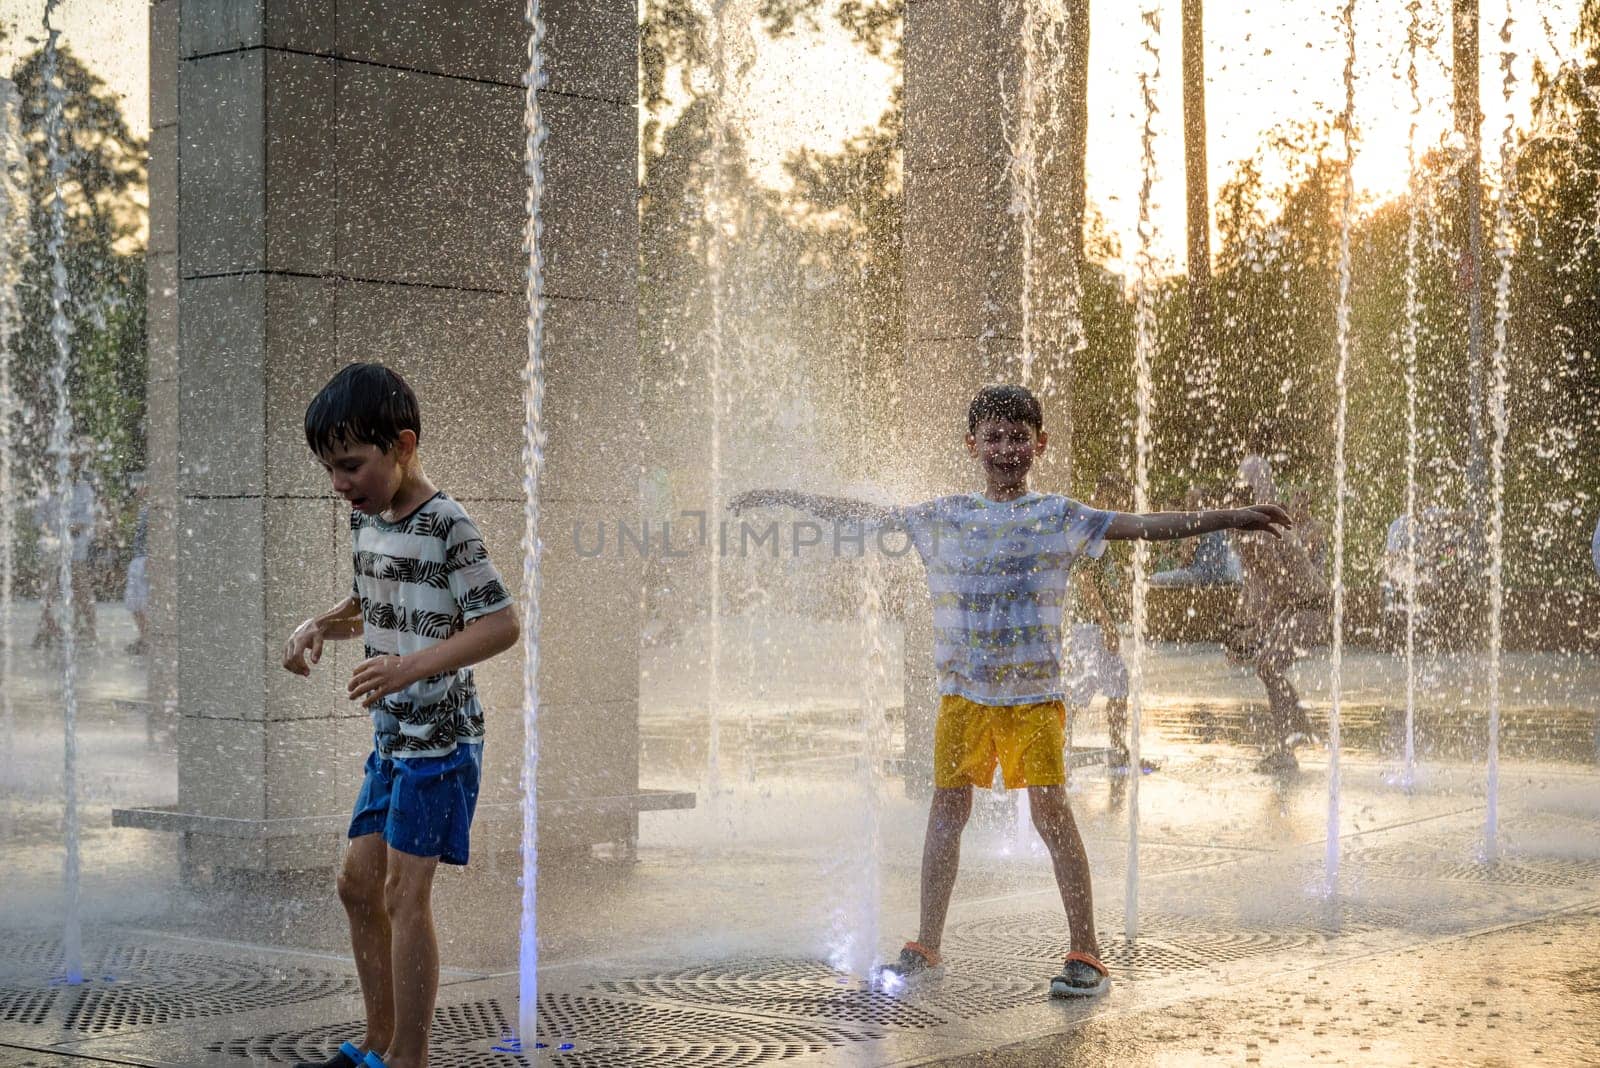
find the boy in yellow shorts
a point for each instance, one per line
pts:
(997, 571)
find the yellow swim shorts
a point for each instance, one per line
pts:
(1025, 741)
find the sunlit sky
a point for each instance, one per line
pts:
(1267, 62)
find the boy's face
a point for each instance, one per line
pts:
(1006, 448)
(365, 475)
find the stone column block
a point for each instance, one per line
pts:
(163, 177)
(962, 255)
(305, 570)
(222, 355)
(301, 353)
(430, 179)
(256, 163)
(463, 353)
(963, 66)
(592, 405)
(220, 764)
(298, 768)
(210, 26)
(591, 212)
(485, 40)
(221, 606)
(591, 49)
(163, 65)
(249, 570)
(161, 308)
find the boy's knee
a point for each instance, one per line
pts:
(1048, 807)
(400, 898)
(406, 891)
(358, 890)
(952, 807)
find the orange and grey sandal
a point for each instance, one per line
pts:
(916, 961)
(1082, 976)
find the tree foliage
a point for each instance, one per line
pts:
(105, 273)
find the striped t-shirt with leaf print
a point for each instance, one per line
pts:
(420, 580)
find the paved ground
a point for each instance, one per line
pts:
(713, 948)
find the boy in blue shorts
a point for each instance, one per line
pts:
(427, 603)
(997, 571)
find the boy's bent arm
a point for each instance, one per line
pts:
(835, 508)
(340, 623)
(480, 639)
(1167, 526)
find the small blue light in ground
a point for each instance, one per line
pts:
(566, 1045)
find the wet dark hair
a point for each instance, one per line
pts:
(1013, 403)
(364, 404)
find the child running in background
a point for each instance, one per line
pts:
(997, 564)
(1103, 605)
(1282, 611)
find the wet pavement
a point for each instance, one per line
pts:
(712, 947)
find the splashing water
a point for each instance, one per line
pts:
(857, 952)
(856, 940)
(61, 449)
(1024, 175)
(1408, 769)
(11, 220)
(1056, 328)
(1499, 425)
(533, 441)
(1347, 20)
(1143, 347)
(716, 280)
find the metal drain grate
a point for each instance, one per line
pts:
(600, 1033)
(26, 1007)
(778, 987)
(1409, 862)
(33, 957)
(142, 986)
(1170, 944)
(467, 1029)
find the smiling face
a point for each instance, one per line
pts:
(1006, 449)
(366, 476)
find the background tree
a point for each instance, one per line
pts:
(105, 181)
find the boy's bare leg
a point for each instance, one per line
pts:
(1276, 657)
(409, 897)
(361, 889)
(941, 859)
(1053, 819)
(83, 602)
(1283, 704)
(1117, 727)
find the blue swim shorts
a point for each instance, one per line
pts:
(422, 805)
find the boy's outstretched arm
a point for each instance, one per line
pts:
(339, 623)
(1168, 526)
(486, 636)
(816, 504)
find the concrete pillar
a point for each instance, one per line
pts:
(962, 268)
(161, 389)
(350, 186)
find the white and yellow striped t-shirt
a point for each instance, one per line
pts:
(997, 573)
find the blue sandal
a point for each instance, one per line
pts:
(349, 1056)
